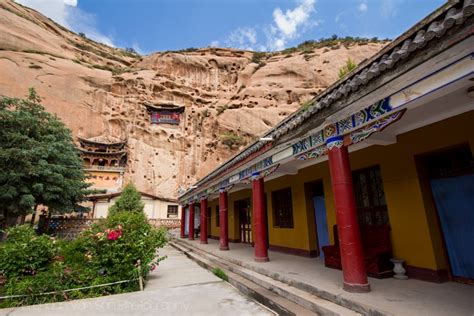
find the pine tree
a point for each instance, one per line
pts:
(129, 201)
(39, 163)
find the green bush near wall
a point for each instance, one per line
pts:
(105, 253)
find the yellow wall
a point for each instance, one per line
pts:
(234, 232)
(104, 180)
(415, 235)
(214, 230)
(298, 236)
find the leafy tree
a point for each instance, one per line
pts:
(129, 201)
(344, 70)
(131, 50)
(39, 163)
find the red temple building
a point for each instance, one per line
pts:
(165, 113)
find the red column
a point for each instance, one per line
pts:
(191, 222)
(203, 234)
(183, 222)
(353, 267)
(259, 219)
(224, 234)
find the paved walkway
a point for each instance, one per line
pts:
(391, 296)
(177, 287)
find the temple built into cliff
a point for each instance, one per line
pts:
(378, 166)
(165, 113)
(105, 161)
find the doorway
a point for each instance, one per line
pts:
(186, 221)
(451, 178)
(245, 220)
(315, 191)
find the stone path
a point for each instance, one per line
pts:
(177, 287)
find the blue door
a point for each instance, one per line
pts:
(321, 222)
(454, 198)
(186, 221)
(197, 217)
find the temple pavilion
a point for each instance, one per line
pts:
(165, 113)
(105, 159)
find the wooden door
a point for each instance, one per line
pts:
(245, 220)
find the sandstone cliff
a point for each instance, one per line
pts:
(230, 97)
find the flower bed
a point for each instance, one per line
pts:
(107, 252)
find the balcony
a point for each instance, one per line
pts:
(104, 168)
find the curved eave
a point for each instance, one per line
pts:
(119, 153)
(87, 141)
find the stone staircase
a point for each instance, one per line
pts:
(279, 296)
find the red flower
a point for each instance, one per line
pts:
(114, 234)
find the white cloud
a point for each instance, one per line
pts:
(388, 8)
(362, 7)
(138, 49)
(243, 38)
(66, 13)
(57, 10)
(214, 44)
(289, 24)
(286, 25)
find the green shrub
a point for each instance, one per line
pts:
(106, 252)
(24, 253)
(257, 57)
(305, 106)
(135, 239)
(220, 274)
(347, 68)
(129, 201)
(230, 139)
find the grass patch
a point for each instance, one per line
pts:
(220, 109)
(32, 51)
(347, 68)
(114, 70)
(231, 139)
(305, 106)
(220, 274)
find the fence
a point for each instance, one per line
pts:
(166, 222)
(70, 228)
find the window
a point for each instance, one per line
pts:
(370, 197)
(217, 216)
(282, 208)
(172, 211)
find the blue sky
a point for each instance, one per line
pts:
(159, 25)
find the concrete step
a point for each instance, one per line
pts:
(309, 287)
(300, 297)
(265, 297)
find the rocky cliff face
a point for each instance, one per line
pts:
(230, 97)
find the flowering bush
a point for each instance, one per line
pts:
(25, 253)
(107, 252)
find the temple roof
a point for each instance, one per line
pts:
(165, 107)
(96, 197)
(103, 140)
(98, 153)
